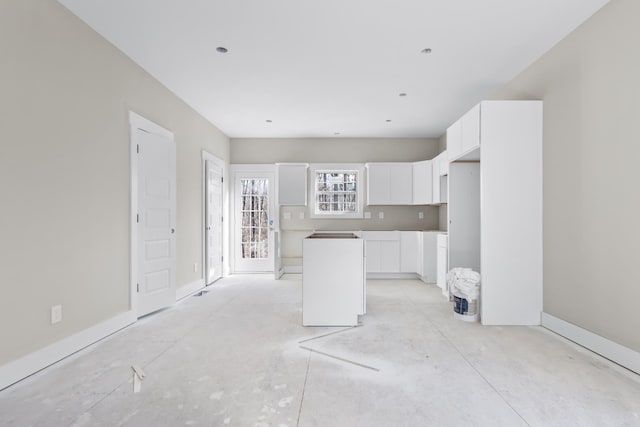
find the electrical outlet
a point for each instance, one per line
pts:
(367, 215)
(56, 314)
(286, 215)
(195, 267)
(301, 215)
(420, 215)
(380, 215)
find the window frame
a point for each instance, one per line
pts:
(358, 168)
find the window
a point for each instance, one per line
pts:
(336, 191)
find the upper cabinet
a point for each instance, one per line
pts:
(471, 129)
(292, 183)
(454, 140)
(423, 182)
(463, 137)
(390, 183)
(440, 168)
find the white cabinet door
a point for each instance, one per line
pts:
(383, 251)
(454, 140)
(373, 256)
(444, 163)
(442, 266)
(378, 184)
(292, 184)
(429, 255)
(435, 178)
(390, 184)
(471, 129)
(409, 251)
(422, 182)
(401, 185)
(390, 256)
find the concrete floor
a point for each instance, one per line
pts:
(233, 357)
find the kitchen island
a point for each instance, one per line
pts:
(333, 279)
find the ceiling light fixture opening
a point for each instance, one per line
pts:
(269, 121)
(426, 50)
(388, 120)
(336, 133)
(221, 49)
(402, 94)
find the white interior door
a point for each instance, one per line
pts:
(213, 222)
(254, 222)
(156, 248)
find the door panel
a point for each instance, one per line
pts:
(213, 233)
(254, 223)
(156, 221)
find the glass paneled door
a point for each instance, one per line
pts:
(254, 222)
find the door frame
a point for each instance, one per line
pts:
(244, 169)
(136, 122)
(224, 208)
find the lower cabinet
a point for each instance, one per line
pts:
(443, 263)
(410, 252)
(429, 254)
(383, 251)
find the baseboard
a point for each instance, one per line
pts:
(390, 276)
(615, 352)
(189, 289)
(293, 269)
(28, 365)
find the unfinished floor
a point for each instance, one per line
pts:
(238, 356)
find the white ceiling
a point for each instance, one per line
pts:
(321, 67)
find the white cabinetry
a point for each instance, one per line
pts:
(443, 265)
(463, 137)
(429, 256)
(454, 140)
(423, 182)
(440, 168)
(409, 252)
(292, 183)
(390, 183)
(383, 251)
(333, 296)
(471, 129)
(495, 210)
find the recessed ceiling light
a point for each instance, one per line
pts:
(269, 121)
(402, 94)
(222, 49)
(426, 50)
(388, 120)
(336, 133)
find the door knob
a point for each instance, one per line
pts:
(173, 230)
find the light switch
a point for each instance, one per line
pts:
(380, 215)
(286, 215)
(420, 215)
(301, 215)
(367, 215)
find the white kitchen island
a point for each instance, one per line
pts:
(333, 279)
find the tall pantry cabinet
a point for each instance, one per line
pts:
(495, 207)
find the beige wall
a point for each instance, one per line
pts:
(591, 90)
(65, 94)
(340, 150)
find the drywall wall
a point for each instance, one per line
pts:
(589, 84)
(332, 150)
(64, 174)
(339, 150)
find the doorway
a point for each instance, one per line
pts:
(254, 221)
(153, 204)
(213, 213)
